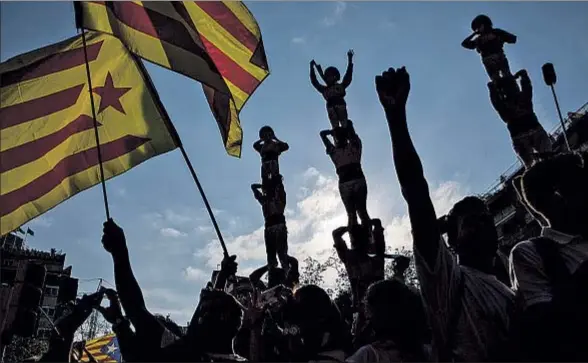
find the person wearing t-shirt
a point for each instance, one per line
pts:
(468, 309)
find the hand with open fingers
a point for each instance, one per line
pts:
(113, 238)
(393, 87)
(113, 312)
(229, 265)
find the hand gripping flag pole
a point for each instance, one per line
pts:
(102, 181)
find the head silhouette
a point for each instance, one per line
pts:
(266, 133)
(359, 237)
(319, 320)
(395, 312)
(556, 189)
(216, 319)
(332, 76)
(339, 136)
(472, 233)
(482, 23)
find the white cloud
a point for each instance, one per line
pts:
(318, 212)
(337, 14)
(171, 232)
(195, 274)
(298, 40)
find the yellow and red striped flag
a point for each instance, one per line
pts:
(217, 43)
(104, 350)
(48, 146)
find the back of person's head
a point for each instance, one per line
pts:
(470, 229)
(332, 75)
(359, 237)
(275, 276)
(396, 312)
(266, 132)
(401, 264)
(319, 320)
(556, 189)
(481, 21)
(169, 324)
(218, 316)
(339, 136)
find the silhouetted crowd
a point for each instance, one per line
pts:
(465, 310)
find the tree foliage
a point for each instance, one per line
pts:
(313, 272)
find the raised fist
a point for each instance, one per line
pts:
(350, 53)
(229, 265)
(393, 87)
(113, 238)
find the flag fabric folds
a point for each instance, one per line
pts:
(217, 43)
(104, 350)
(48, 147)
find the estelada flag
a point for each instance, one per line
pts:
(48, 146)
(217, 43)
(104, 350)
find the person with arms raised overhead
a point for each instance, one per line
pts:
(489, 42)
(334, 92)
(550, 273)
(515, 108)
(269, 148)
(467, 307)
(345, 153)
(272, 197)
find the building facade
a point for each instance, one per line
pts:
(14, 257)
(514, 223)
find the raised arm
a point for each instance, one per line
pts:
(128, 289)
(339, 243)
(319, 69)
(255, 188)
(506, 36)
(256, 275)
(328, 144)
(347, 78)
(315, 83)
(469, 42)
(393, 87)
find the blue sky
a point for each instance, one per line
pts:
(463, 144)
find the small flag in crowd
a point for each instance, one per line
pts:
(104, 350)
(48, 151)
(217, 43)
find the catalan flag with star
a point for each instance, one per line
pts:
(104, 350)
(48, 146)
(217, 43)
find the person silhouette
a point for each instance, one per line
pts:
(346, 155)
(489, 42)
(269, 148)
(333, 92)
(272, 197)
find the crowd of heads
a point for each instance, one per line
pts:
(462, 311)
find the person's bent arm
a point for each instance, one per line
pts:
(256, 275)
(257, 145)
(324, 137)
(256, 193)
(469, 42)
(506, 36)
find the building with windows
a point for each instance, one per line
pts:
(513, 221)
(14, 257)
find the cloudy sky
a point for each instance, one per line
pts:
(463, 144)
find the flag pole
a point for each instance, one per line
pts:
(102, 181)
(218, 233)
